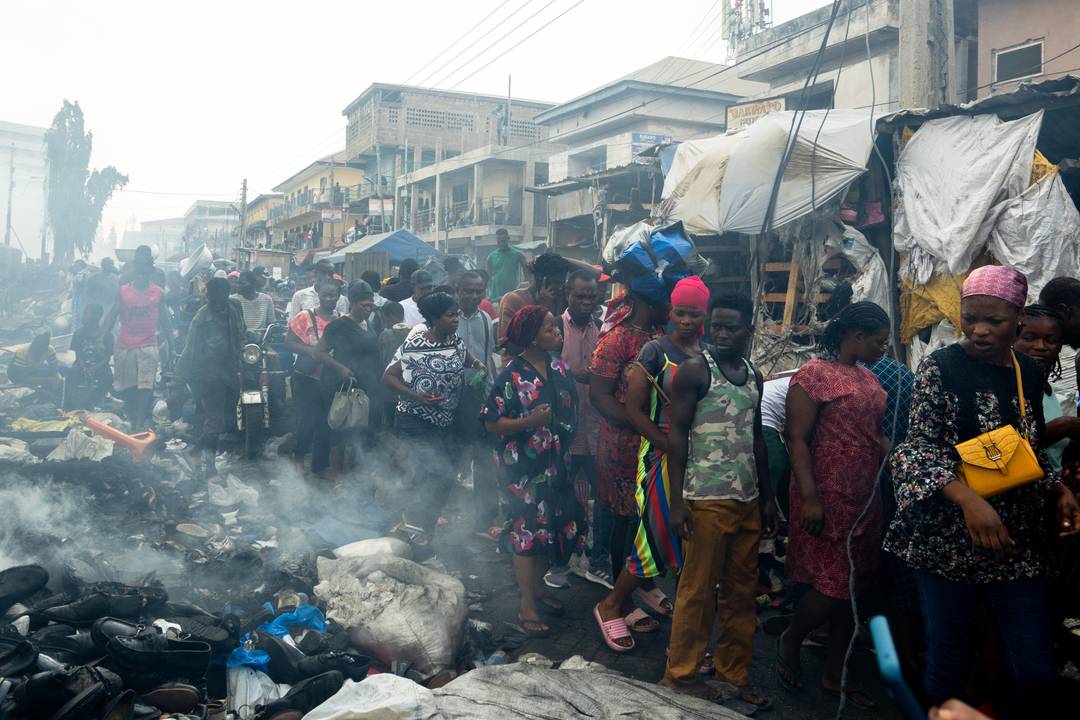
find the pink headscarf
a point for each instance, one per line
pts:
(997, 281)
(691, 292)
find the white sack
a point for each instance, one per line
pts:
(395, 609)
(872, 281)
(80, 446)
(16, 451)
(249, 688)
(380, 697)
(1037, 233)
(375, 546)
(952, 180)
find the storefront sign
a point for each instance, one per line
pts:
(386, 207)
(333, 216)
(644, 141)
(747, 113)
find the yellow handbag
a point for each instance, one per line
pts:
(1001, 459)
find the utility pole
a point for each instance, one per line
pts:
(927, 53)
(10, 191)
(243, 215)
(331, 201)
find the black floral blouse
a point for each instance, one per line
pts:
(956, 398)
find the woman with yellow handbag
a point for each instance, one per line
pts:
(976, 493)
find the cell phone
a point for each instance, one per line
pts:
(889, 666)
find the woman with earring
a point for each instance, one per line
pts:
(532, 407)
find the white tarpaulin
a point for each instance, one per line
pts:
(953, 180)
(1037, 233)
(723, 184)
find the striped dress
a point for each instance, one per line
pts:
(656, 550)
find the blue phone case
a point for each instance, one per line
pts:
(889, 666)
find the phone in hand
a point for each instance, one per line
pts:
(889, 665)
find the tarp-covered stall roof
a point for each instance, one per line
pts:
(398, 245)
(722, 184)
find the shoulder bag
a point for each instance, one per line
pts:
(1001, 459)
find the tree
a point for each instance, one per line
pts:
(77, 196)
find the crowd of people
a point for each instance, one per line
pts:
(621, 438)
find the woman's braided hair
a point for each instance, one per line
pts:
(862, 316)
(1045, 311)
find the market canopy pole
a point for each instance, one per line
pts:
(927, 54)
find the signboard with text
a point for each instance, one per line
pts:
(644, 141)
(386, 207)
(744, 114)
(333, 216)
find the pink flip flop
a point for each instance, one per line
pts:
(613, 630)
(636, 616)
(654, 599)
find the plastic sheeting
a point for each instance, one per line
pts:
(1038, 233)
(395, 609)
(954, 179)
(872, 281)
(723, 184)
(516, 692)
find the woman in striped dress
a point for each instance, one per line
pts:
(656, 549)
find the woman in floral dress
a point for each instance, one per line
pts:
(532, 407)
(962, 546)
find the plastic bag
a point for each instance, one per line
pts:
(16, 451)
(250, 688)
(80, 446)
(307, 616)
(381, 697)
(396, 609)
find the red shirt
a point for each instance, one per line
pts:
(138, 316)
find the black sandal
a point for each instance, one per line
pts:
(790, 677)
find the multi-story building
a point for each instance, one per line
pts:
(165, 237)
(23, 159)
(317, 206)
(396, 130)
(257, 231)
(599, 181)
(211, 223)
(1025, 41)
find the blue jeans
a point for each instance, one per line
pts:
(602, 519)
(1022, 611)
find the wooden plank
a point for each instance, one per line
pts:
(792, 285)
(778, 267)
(782, 297)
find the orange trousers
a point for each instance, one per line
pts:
(722, 552)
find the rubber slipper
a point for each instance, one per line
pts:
(753, 696)
(613, 630)
(492, 533)
(547, 608)
(706, 667)
(539, 630)
(641, 622)
(654, 599)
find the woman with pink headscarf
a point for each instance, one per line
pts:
(961, 545)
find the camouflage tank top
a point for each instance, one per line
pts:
(720, 465)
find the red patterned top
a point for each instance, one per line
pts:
(617, 447)
(846, 452)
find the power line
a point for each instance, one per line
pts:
(182, 194)
(483, 52)
(701, 34)
(465, 49)
(516, 45)
(459, 39)
(691, 39)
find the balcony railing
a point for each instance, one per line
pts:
(493, 210)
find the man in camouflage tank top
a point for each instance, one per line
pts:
(721, 504)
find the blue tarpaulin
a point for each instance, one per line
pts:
(399, 245)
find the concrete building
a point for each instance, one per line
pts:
(22, 148)
(317, 205)
(213, 223)
(395, 130)
(782, 57)
(599, 181)
(1025, 41)
(165, 237)
(457, 204)
(257, 219)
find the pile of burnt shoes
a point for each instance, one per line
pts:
(115, 652)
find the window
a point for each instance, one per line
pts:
(1017, 62)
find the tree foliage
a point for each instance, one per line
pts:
(77, 195)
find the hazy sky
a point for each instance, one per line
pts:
(189, 97)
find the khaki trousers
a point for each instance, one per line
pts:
(723, 551)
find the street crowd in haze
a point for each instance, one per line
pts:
(618, 434)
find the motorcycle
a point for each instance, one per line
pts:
(262, 385)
